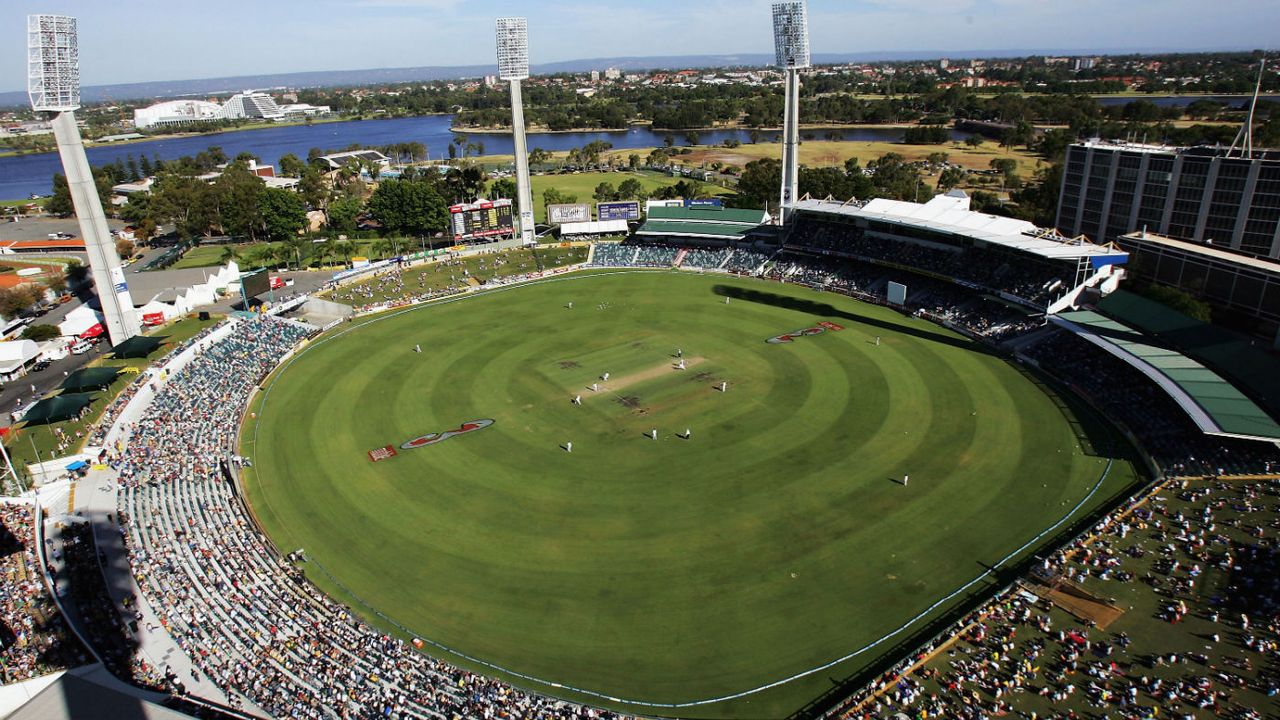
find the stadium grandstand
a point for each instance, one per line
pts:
(697, 223)
(945, 239)
(245, 632)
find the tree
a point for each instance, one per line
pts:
(502, 188)
(631, 189)
(59, 202)
(41, 332)
(238, 193)
(146, 229)
(553, 196)
(974, 141)
(76, 273)
(283, 213)
(229, 254)
(291, 165)
(15, 301)
(411, 208)
(343, 213)
(312, 187)
(950, 178)
(760, 182)
(538, 156)
(1004, 166)
(633, 161)
(124, 249)
(1179, 300)
(605, 192)
(190, 204)
(692, 137)
(346, 250)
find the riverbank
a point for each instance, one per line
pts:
(186, 135)
(493, 130)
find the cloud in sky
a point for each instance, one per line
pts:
(138, 40)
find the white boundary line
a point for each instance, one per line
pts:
(641, 703)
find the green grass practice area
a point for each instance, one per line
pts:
(777, 538)
(583, 186)
(441, 276)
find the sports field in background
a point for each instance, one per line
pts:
(779, 536)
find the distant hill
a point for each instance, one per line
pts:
(343, 78)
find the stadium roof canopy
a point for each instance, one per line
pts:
(707, 223)
(1214, 404)
(950, 214)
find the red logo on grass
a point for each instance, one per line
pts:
(433, 438)
(383, 453)
(819, 329)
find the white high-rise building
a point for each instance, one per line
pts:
(250, 104)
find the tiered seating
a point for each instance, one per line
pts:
(1162, 428)
(1033, 281)
(33, 639)
(655, 256)
(745, 261)
(245, 617)
(704, 258)
(613, 255)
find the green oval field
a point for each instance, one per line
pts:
(776, 538)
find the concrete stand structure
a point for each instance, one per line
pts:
(53, 84)
(791, 48)
(513, 66)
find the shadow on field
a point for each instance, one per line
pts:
(825, 310)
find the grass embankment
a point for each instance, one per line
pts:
(41, 441)
(438, 277)
(778, 537)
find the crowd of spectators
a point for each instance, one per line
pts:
(200, 406)
(709, 259)
(1124, 394)
(1193, 573)
(33, 638)
(246, 618)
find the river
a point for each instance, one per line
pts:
(22, 175)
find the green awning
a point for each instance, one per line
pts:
(136, 347)
(94, 378)
(57, 408)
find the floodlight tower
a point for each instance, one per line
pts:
(513, 66)
(53, 83)
(791, 48)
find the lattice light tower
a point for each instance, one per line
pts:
(53, 84)
(513, 66)
(791, 48)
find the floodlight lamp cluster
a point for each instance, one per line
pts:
(53, 63)
(791, 35)
(513, 48)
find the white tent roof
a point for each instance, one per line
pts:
(951, 214)
(609, 227)
(15, 353)
(79, 320)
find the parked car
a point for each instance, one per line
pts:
(81, 347)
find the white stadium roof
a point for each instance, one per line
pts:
(950, 213)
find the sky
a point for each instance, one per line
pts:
(123, 41)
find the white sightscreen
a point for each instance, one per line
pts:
(897, 294)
